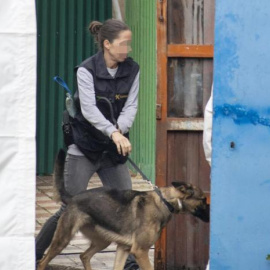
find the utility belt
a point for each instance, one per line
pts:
(91, 142)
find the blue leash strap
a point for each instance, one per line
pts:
(62, 83)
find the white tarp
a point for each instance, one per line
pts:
(17, 133)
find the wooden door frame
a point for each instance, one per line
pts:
(164, 51)
(161, 134)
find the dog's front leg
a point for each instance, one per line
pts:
(142, 258)
(121, 257)
(91, 251)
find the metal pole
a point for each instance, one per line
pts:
(117, 10)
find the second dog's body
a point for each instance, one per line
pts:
(131, 219)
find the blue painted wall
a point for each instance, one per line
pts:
(240, 200)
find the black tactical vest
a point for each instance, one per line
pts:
(89, 140)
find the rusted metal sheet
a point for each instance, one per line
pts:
(180, 50)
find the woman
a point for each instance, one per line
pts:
(106, 101)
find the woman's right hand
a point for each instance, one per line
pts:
(122, 143)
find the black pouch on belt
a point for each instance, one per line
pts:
(67, 129)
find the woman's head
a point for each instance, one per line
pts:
(113, 37)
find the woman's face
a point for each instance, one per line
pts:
(119, 48)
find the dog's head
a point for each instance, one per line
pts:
(192, 200)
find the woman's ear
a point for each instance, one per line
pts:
(106, 44)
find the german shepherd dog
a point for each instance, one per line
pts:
(132, 219)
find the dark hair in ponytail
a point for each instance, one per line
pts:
(109, 30)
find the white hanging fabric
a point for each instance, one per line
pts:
(17, 133)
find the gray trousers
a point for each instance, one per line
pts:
(77, 173)
(79, 170)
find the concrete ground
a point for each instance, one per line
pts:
(69, 257)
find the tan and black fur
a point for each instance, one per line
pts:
(131, 219)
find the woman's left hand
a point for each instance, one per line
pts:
(122, 143)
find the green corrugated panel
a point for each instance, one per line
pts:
(141, 17)
(63, 42)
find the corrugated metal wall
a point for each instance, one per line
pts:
(141, 17)
(63, 42)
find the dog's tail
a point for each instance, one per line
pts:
(60, 193)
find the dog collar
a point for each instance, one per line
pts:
(170, 207)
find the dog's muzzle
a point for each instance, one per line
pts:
(202, 213)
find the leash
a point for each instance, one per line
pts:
(155, 188)
(138, 170)
(134, 165)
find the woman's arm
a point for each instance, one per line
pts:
(89, 108)
(128, 113)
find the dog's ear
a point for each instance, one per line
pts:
(178, 184)
(184, 188)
